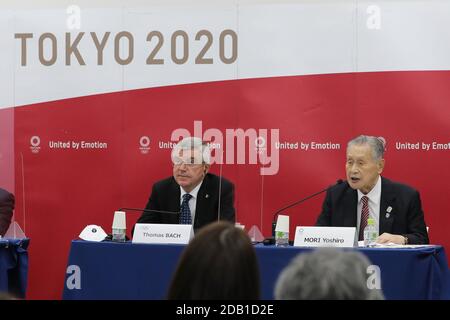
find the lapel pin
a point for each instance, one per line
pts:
(206, 196)
(388, 212)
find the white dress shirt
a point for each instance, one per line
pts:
(374, 205)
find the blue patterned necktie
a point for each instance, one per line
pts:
(185, 212)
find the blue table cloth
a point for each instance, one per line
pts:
(108, 270)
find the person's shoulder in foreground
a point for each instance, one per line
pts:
(6, 210)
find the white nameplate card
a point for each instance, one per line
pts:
(162, 233)
(343, 237)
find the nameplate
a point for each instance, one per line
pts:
(343, 237)
(162, 233)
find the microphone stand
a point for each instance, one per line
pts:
(141, 210)
(147, 210)
(271, 240)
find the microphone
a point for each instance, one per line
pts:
(274, 221)
(147, 210)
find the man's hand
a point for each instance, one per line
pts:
(394, 238)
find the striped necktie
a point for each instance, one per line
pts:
(364, 216)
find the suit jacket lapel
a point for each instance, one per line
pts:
(350, 207)
(387, 200)
(202, 201)
(174, 201)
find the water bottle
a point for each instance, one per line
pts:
(370, 233)
(281, 239)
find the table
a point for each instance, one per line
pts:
(109, 270)
(14, 266)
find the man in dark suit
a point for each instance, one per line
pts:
(6, 210)
(395, 208)
(193, 195)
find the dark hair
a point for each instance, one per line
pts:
(218, 264)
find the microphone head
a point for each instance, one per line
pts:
(339, 181)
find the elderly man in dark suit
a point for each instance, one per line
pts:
(192, 194)
(6, 210)
(395, 208)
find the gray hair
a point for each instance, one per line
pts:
(326, 274)
(378, 145)
(193, 143)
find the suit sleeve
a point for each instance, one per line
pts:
(6, 211)
(227, 211)
(417, 231)
(152, 204)
(324, 219)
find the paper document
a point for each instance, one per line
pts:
(395, 246)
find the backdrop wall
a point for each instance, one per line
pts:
(92, 94)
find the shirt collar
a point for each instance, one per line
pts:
(194, 191)
(374, 195)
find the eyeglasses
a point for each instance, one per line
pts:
(190, 163)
